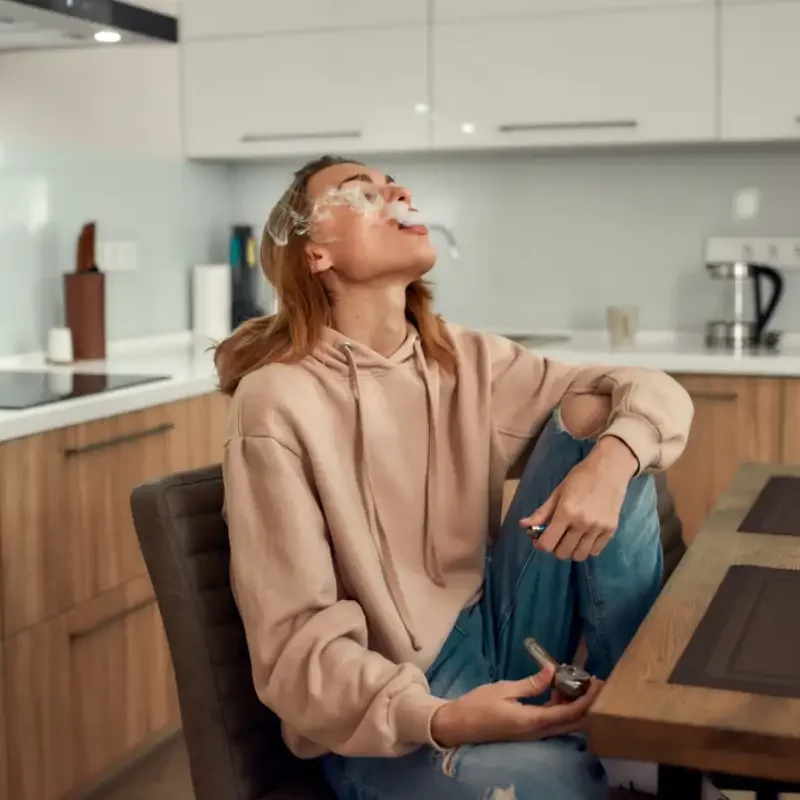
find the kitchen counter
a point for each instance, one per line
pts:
(186, 363)
(189, 365)
(669, 352)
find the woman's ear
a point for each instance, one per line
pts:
(318, 258)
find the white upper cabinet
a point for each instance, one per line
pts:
(761, 71)
(343, 91)
(611, 77)
(444, 10)
(201, 19)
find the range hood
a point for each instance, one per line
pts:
(55, 24)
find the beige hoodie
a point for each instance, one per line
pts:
(360, 494)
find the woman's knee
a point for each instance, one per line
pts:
(584, 416)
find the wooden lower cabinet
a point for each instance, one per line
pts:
(791, 422)
(207, 417)
(66, 532)
(38, 718)
(3, 736)
(84, 690)
(35, 547)
(85, 672)
(736, 419)
(102, 462)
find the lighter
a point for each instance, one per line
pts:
(573, 682)
(536, 531)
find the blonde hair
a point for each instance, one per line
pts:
(305, 306)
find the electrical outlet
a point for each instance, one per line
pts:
(783, 253)
(116, 256)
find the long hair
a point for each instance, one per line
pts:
(305, 306)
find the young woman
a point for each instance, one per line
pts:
(384, 604)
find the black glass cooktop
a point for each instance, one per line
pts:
(20, 389)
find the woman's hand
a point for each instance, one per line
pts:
(581, 515)
(494, 713)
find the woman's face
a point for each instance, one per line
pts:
(353, 233)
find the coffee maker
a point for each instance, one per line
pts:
(751, 312)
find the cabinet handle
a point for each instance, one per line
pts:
(71, 452)
(718, 397)
(255, 138)
(583, 125)
(83, 633)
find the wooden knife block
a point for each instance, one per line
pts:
(85, 301)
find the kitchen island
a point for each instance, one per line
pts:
(86, 671)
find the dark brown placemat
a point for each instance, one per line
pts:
(747, 639)
(776, 509)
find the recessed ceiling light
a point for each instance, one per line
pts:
(421, 108)
(468, 127)
(107, 37)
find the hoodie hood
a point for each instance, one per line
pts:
(332, 349)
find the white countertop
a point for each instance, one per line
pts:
(666, 351)
(190, 369)
(187, 364)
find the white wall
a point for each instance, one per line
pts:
(548, 240)
(94, 135)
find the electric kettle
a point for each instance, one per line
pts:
(746, 329)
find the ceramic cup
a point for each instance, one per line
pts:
(622, 323)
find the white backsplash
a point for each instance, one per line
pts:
(177, 213)
(549, 240)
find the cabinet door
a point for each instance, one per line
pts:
(736, 420)
(34, 531)
(38, 712)
(448, 10)
(791, 422)
(576, 79)
(760, 71)
(345, 91)
(122, 686)
(218, 18)
(85, 690)
(208, 419)
(102, 463)
(3, 737)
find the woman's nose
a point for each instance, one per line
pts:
(400, 194)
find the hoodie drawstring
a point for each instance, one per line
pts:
(373, 515)
(432, 565)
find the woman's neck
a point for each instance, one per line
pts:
(373, 317)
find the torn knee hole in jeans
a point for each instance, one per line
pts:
(448, 764)
(583, 416)
(502, 794)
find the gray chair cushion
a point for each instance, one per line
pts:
(234, 743)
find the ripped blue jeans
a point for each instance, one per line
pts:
(528, 593)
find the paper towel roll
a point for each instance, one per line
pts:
(211, 301)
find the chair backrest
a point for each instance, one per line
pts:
(234, 743)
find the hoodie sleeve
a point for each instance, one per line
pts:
(308, 645)
(650, 411)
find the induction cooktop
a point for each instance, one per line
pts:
(19, 389)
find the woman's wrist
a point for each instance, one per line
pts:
(615, 455)
(441, 726)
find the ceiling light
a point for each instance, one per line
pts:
(468, 127)
(421, 108)
(107, 37)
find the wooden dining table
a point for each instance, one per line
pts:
(711, 681)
